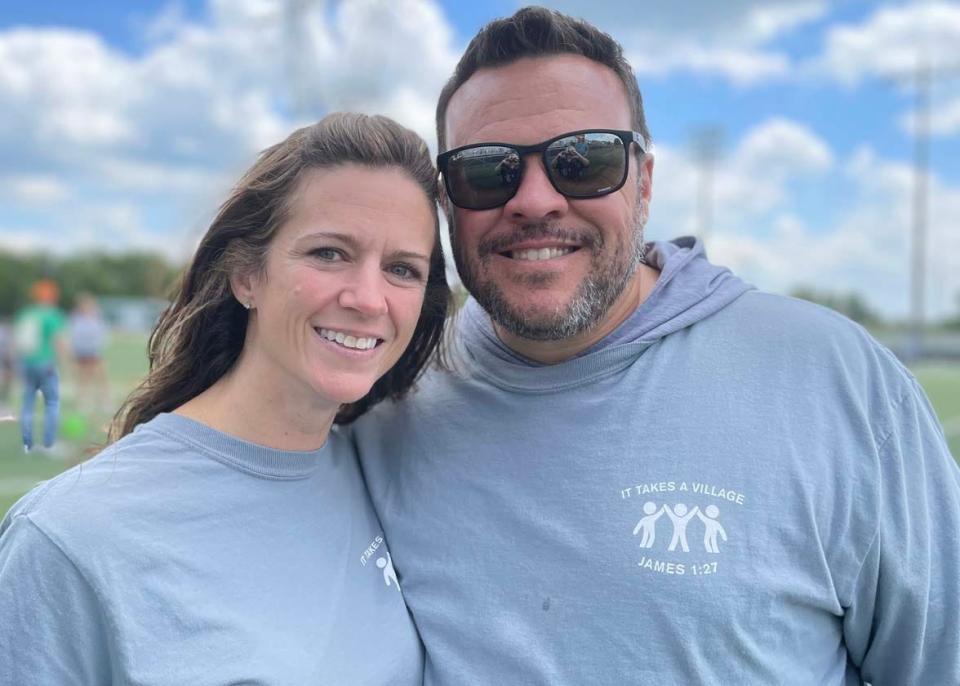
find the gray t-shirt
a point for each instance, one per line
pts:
(180, 555)
(88, 335)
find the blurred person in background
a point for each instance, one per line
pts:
(226, 536)
(38, 343)
(6, 369)
(89, 335)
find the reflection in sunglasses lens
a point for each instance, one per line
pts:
(586, 164)
(485, 176)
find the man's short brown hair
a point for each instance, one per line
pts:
(539, 32)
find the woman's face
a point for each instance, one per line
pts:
(344, 283)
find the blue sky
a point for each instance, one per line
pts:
(124, 123)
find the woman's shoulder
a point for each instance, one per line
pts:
(119, 477)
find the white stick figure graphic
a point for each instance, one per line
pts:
(648, 524)
(713, 527)
(389, 574)
(680, 518)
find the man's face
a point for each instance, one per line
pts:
(546, 267)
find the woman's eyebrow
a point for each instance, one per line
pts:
(327, 235)
(409, 255)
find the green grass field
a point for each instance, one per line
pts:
(126, 362)
(942, 384)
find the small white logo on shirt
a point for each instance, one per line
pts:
(680, 517)
(384, 562)
(674, 544)
(389, 574)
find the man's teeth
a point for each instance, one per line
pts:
(541, 254)
(348, 341)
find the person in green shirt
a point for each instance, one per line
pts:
(36, 336)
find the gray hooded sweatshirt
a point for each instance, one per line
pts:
(731, 488)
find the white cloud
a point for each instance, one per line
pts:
(764, 237)
(741, 67)
(893, 41)
(169, 130)
(768, 20)
(18, 239)
(867, 251)
(37, 189)
(893, 45)
(389, 57)
(781, 147)
(944, 119)
(61, 90)
(732, 22)
(726, 39)
(752, 179)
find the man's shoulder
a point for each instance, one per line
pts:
(768, 315)
(806, 337)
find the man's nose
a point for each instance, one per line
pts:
(364, 290)
(536, 198)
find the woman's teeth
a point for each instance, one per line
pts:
(348, 341)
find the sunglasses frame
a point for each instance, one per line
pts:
(626, 137)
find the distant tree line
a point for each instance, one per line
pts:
(101, 274)
(147, 274)
(853, 306)
(954, 321)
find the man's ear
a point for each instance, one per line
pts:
(646, 168)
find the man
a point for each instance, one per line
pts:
(37, 339)
(812, 506)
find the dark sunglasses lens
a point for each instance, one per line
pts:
(483, 177)
(585, 165)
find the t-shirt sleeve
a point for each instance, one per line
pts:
(51, 628)
(904, 623)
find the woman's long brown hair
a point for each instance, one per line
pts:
(200, 335)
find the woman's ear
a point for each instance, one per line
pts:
(241, 283)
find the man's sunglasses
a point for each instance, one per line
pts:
(580, 164)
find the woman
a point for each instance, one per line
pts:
(89, 336)
(226, 537)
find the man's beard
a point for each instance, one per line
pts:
(611, 270)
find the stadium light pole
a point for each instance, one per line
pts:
(707, 140)
(923, 81)
(918, 243)
(297, 54)
(922, 78)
